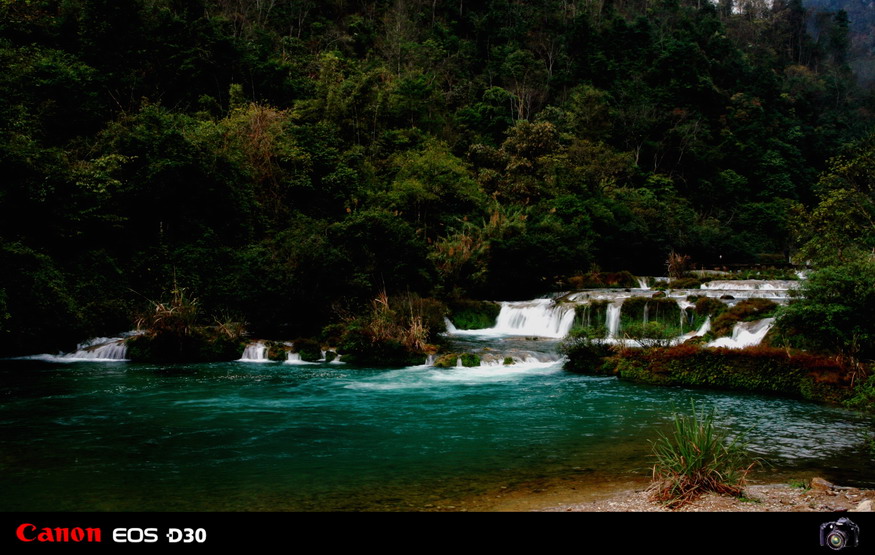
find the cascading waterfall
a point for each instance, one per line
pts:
(536, 318)
(612, 321)
(542, 318)
(255, 352)
(100, 349)
(745, 334)
(554, 318)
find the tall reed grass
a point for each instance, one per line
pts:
(695, 458)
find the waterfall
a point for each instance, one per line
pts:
(745, 334)
(612, 320)
(536, 318)
(642, 283)
(255, 352)
(100, 349)
(295, 358)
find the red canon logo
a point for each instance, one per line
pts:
(28, 532)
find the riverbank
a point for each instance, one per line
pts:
(778, 493)
(757, 498)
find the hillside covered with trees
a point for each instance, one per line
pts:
(285, 162)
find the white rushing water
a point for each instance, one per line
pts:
(100, 349)
(745, 334)
(535, 318)
(553, 318)
(255, 352)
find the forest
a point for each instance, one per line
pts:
(269, 168)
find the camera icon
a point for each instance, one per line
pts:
(839, 534)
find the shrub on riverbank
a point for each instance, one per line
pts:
(694, 459)
(172, 332)
(760, 369)
(587, 355)
(396, 332)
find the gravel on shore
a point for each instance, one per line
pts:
(818, 496)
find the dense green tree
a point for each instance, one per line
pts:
(834, 311)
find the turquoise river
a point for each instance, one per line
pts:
(118, 436)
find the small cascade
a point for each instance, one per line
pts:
(642, 283)
(612, 321)
(536, 318)
(429, 360)
(100, 349)
(295, 358)
(541, 318)
(451, 329)
(255, 352)
(751, 284)
(336, 360)
(745, 334)
(706, 327)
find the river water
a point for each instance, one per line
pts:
(119, 436)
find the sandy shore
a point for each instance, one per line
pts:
(630, 494)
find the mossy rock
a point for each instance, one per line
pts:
(469, 314)
(309, 349)
(451, 360)
(200, 346)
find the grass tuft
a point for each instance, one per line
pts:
(695, 459)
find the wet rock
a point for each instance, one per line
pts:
(819, 484)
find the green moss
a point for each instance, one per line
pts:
(640, 311)
(686, 283)
(708, 306)
(451, 360)
(590, 318)
(203, 345)
(310, 350)
(470, 359)
(586, 356)
(864, 395)
(759, 369)
(277, 351)
(468, 314)
(447, 361)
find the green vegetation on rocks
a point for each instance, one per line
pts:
(173, 332)
(761, 369)
(469, 314)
